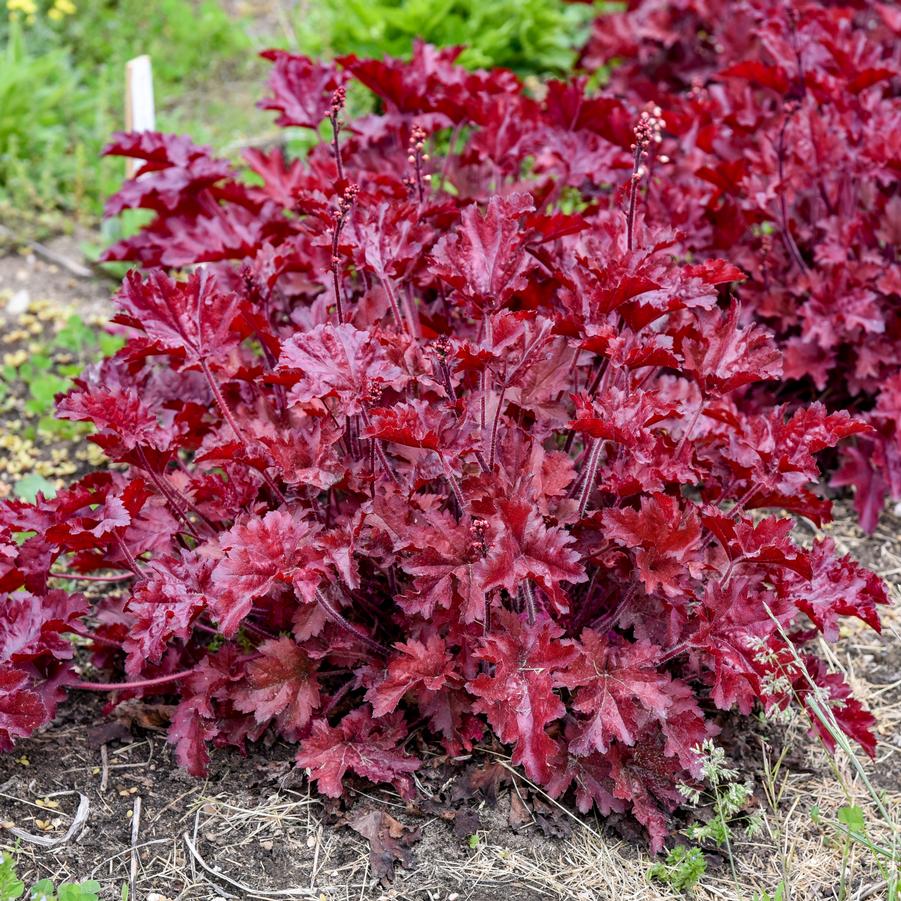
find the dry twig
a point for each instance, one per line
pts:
(78, 823)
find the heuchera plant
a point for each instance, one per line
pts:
(784, 124)
(423, 446)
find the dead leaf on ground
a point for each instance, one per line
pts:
(552, 821)
(112, 730)
(154, 717)
(466, 822)
(389, 841)
(520, 815)
(480, 781)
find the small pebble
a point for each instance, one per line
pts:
(18, 303)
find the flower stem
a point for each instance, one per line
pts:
(336, 147)
(454, 483)
(339, 307)
(178, 502)
(340, 619)
(590, 471)
(78, 577)
(399, 318)
(220, 402)
(379, 451)
(633, 202)
(130, 686)
(787, 237)
(531, 608)
(128, 555)
(492, 445)
(233, 424)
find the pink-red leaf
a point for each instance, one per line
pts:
(358, 744)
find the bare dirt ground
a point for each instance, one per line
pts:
(42, 279)
(253, 829)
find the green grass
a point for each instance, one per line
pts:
(853, 824)
(62, 86)
(62, 76)
(38, 450)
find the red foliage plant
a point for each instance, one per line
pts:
(425, 448)
(783, 128)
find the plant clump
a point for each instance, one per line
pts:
(432, 439)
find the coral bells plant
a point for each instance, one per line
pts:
(406, 456)
(783, 123)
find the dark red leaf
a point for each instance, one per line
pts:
(282, 684)
(519, 698)
(485, 259)
(359, 744)
(192, 318)
(301, 88)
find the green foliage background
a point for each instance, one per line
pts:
(532, 37)
(61, 89)
(62, 78)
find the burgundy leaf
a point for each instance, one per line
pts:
(620, 689)
(359, 744)
(260, 553)
(282, 684)
(527, 549)
(485, 259)
(519, 698)
(192, 318)
(341, 362)
(666, 537)
(727, 356)
(301, 89)
(21, 711)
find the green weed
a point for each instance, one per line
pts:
(682, 869)
(62, 84)
(12, 888)
(853, 823)
(37, 446)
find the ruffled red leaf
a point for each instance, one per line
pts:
(302, 89)
(358, 744)
(485, 259)
(281, 684)
(619, 689)
(21, 711)
(519, 698)
(192, 318)
(338, 361)
(258, 554)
